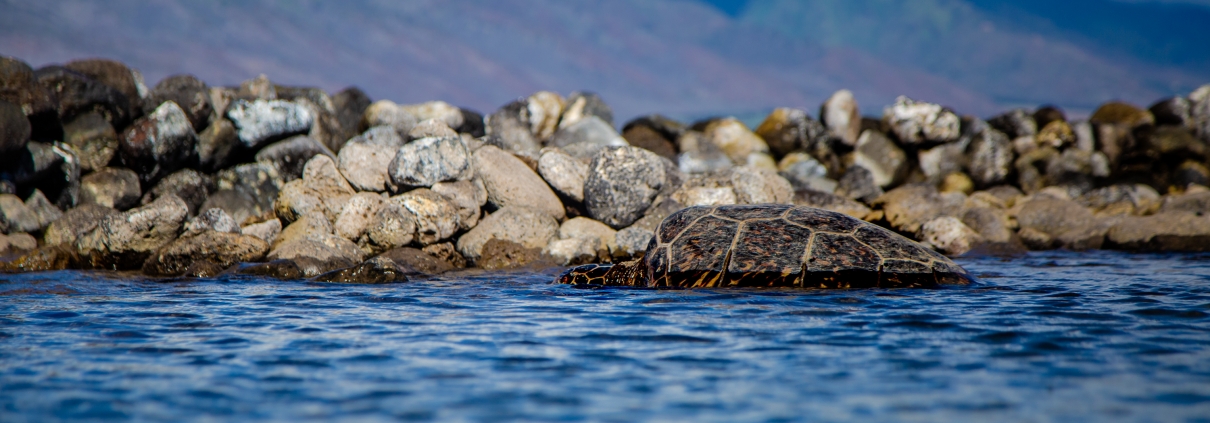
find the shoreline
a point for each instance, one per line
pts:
(101, 171)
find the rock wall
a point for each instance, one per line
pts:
(97, 170)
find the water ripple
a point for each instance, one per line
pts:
(1097, 336)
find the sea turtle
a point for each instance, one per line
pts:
(774, 245)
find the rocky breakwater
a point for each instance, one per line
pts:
(100, 171)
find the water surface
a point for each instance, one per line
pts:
(1059, 336)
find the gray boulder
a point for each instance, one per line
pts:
(125, 240)
(840, 114)
(322, 188)
(949, 235)
(53, 168)
(387, 113)
(1066, 223)
(468, 196)
(508, 129)
(262, 121)
(16, 216)
(224, 249)
(875, 152)
(991, 157)
(915, 122)
(431, 128)
(75, 222)
(267, 231)
(622, 183)
(510, 182)
(858, 183)
(436, 218)
(357, 216)
(188, 184)
(427, 161)
(392, 227)
(159, 143)
(1165, 231)
(367, 166)
(564, 173)
(212, 220)
(42, 209)
(584, 138)
(632, 242)
(700, 155)
(524, 226)
(113, 187)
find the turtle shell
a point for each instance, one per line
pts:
(775, 245)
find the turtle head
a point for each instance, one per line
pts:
(622, 274)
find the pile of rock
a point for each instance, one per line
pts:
(99, 171)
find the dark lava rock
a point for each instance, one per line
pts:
(158, 144)
(222, 248)
(643, 135)
(217, 145)
(14, 128)
(18, 86)
(376, 270)
(188, 184)
(622, 183)
(1174, 111)
(112, 187)
(113, 74)
(1047, 114)
(188, 92)
(858, 184)
(419, 261)
(125, 240)
(78, 94)
(289, 156)
(350, 104)
(787, 130)
(75, 222)
(53, 169)
(204, 269)
(472, 123)
(93, 138)
(1015, 123)
(277, 269)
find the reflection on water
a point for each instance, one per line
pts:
(1050, 337)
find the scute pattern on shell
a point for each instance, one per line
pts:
(770, 245)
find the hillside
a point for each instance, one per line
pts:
(678, 57)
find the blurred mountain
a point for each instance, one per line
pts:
(678, 57)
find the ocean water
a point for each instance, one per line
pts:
(1057, 336)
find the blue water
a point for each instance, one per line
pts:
(1059, 337)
